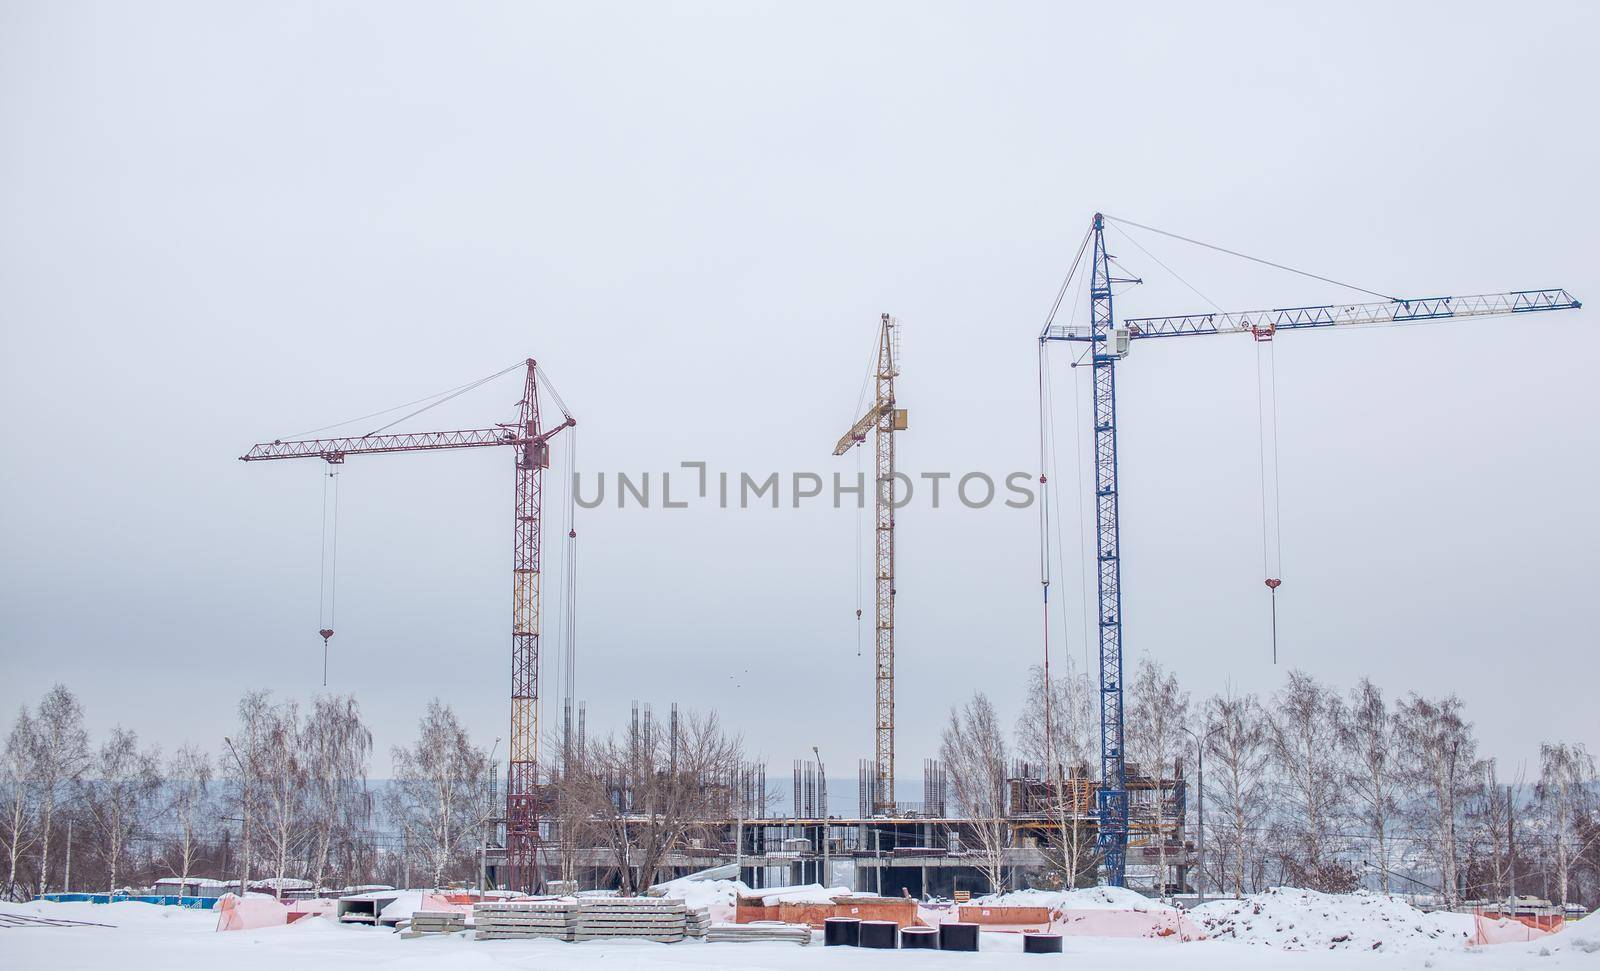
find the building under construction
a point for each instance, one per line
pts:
(927, 849)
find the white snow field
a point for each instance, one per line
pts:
(153, 938)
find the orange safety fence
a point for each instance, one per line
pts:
(235, 913)
(1511, 930)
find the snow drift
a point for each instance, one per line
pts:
(1298, 920)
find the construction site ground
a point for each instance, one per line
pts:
(146, 936)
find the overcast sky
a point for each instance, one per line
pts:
(221, 223)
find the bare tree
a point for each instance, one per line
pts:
(1303, 738)
(1067, 707)
(283, 789)
(570, 818)
(1237, 788)
(973, 750)
(1158, 711)
(248, 751)
(648, 793)
(338, 748)
(188, 803)
(119, 796)
(60, 758)
(1492, 815)
(1366, 735)
(438, 795)
(1439, 754)
(1566, 795)
(17, 775)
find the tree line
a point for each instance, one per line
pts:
(287, 795)
(1307, 786)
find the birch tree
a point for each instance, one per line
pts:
(188, 803)
(1064, 751)
(16, 775)
(1158, 711)
(1565, 795)
(1236, 788)
(438, 795)
(247, 755)
(118, 799)
(1439, 754)
(973, 749)
(1366, 733)
(1303, 739)
(337, 749)
(1493, 815)
(60, 758)
(282, 787)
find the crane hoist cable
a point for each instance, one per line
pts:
(1271, 495)
(861, 552)
(569, 578)
(328, 578)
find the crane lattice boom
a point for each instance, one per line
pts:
(1266, 322)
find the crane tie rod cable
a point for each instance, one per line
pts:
(1253, 259)
(458, 392)
(415, 401)
(1072, 271)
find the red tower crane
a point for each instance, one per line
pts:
(532, 450)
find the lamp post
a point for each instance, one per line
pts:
(1200, 772)
(244, 820)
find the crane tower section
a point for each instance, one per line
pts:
(883, 419)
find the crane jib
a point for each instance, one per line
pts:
(1331, 315)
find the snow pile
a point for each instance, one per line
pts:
(701, 893)
(1297, 920)
(1580, 935)
(1089, 898)
(809, 893)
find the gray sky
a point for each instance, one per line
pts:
(221, 223)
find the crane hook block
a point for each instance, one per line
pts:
(326, 633)
(1274, 583)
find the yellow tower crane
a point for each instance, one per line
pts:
(886, 419)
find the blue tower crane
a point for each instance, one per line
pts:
(1108, 343)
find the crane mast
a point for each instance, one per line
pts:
(1112, 804)
(1108, 343)
(884, 419)
(524, 800)
(522, 774)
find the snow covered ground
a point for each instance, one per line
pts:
(168, 939)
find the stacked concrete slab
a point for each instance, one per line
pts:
(640, 918)
(697, 922)
(759, 931)
(425, 922)
(521, 920)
